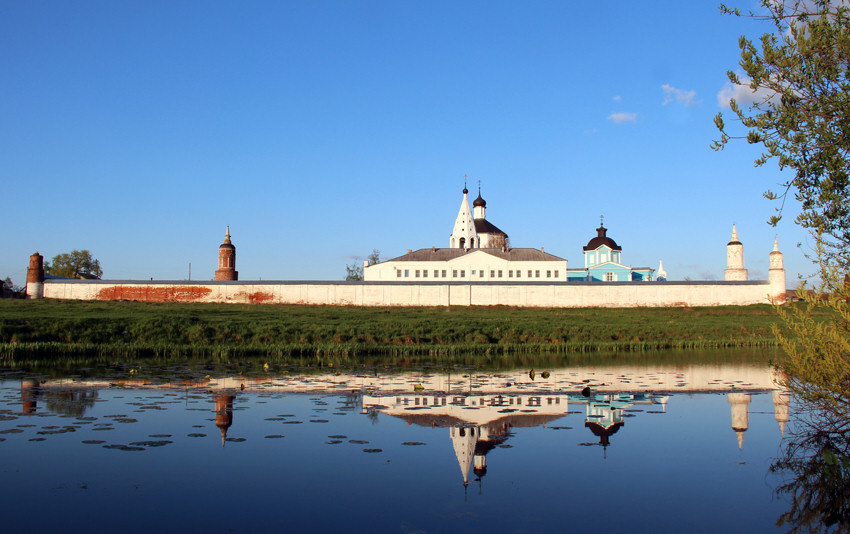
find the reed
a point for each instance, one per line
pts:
(130, 330)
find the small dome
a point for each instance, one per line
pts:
(602, 239)
(479, 202)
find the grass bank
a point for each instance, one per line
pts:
(45, 328)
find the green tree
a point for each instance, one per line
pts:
(798, 76)
(355, 270)
(798, 82)
(74, 264)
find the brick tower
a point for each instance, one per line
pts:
(35, 277)
(227, 260)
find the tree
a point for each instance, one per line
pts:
(10, 288)
(355, 270)
(798, 76)
(74, 264)
(500, 241)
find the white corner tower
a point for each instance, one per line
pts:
(776, 273)
(735, 259)
(464, 234)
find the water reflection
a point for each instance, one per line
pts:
(816, 462)
(498, 426)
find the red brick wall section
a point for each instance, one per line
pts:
(154, 293)
(257, 297)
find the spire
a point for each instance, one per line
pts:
(464, 234)
(734, 234)
(227, 236)
(662, 274)
(775, 244)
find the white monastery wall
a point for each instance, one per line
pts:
(525, 294)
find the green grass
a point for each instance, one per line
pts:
(32, 329)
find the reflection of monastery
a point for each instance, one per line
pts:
(479, 410)
(478, 268)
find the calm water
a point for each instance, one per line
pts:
(644, 448)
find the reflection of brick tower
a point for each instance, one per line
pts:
(227, 260)
(223, 413)
(29, 396)
(35, 277)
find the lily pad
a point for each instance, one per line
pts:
(157, 443)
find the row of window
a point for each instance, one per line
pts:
(423, 273)
(461, 401)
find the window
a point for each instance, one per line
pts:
(417, 273)
(481, 273)
(424, 273)
(444, 273)
(548, 274)
(398, 273)
(609, 277)
(454, 273)
(536, 274)
(462, 273)
(556, 274)
(406, 273)
(518, 273)
(492, 274)
(500, 274)
(510, 274)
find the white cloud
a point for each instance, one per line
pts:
(617, 98)
(742, 94)
(623, 116)
(672, 94)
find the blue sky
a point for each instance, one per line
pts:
(322, 130)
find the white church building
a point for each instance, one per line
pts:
(478, 252)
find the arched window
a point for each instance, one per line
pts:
(462, 242)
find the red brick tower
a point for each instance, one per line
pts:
(227, 260)
(35, 277)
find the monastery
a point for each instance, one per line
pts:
(478, 268)
(481, 252)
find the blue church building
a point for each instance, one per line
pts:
(602, 263)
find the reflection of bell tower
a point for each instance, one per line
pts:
(29, 396)
(740, 415)
(223, 413)
(463, 440)
(227, 260)
(781, 400)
